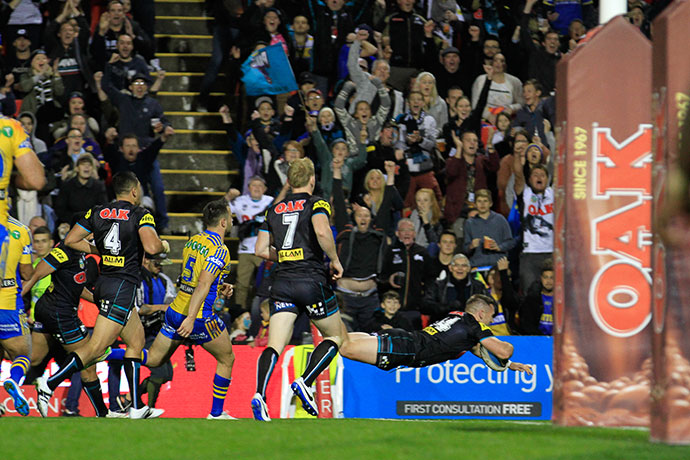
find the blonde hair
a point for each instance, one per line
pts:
(434, 92)
(299, 172)
(484, 193)
(435, 208)
(296, 145)
(376, 195)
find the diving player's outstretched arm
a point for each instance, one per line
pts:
(503, 350)
(324, 235)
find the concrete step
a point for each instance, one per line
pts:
(184, 43)
(190, 82)
(195, 180)
(190, 201)
(180, 7)
(197, 160)
(198, 139)
(194, 120)
(183, 100)
(184, 62)
(200, 25)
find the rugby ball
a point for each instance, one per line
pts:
(493, 361)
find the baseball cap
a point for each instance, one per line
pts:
(140, 76)
(306, 77)
(22, 33)
(261, 100)
(450, 50)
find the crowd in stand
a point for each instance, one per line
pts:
(431, 126)
(430, 122)
(81, 78)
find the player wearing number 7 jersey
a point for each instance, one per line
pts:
(296, 234)
(122, 232)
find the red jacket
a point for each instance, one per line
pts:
(456, 175)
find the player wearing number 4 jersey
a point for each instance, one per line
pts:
(190, 316)
(296, 233)
(122, 232)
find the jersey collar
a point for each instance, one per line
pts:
(212, 233)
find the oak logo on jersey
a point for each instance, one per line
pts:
(112, 213)
(290, 206)
(291, 254)
(114, 261)
(59, 255)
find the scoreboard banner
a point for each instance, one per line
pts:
(603, 230)
(461, 388)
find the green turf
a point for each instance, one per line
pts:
(93, 439)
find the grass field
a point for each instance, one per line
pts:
(87, 438)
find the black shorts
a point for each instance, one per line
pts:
(62, 323)
(313, 297)
(397, 347)
(115, 298)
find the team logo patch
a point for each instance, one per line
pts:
(7, 131)
(59, 255)
(114, 261)
(291, 254)
(430, 330)
(147, 220)
(15, 234)
(322, 204)
(88, 214)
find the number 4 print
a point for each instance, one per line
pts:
(112, 239)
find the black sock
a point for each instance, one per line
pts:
(93, 391)
(71, 365)
(264, 369)
(319, 360)
(131, 366)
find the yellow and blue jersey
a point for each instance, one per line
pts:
(19, 252)
(14, 142)
(205, 251)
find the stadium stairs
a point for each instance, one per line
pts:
(196, 164)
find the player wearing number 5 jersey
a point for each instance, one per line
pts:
(206, 261)
(122, 231)
(296, 234)
(15, 337)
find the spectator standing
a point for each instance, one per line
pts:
(361, 247)
(507, 302)
(427, 220)
(487, 235)
(505, 93)
(450, 293)
(19, 60)
(81, 192)
(249, 210)
(535, 200)
(466, 172)
(403, 271)
(536, 311)
(123, 64)
(541, 60)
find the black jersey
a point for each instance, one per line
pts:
(448, 338)
(72, 274)
(115, 227)
(293, 234)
